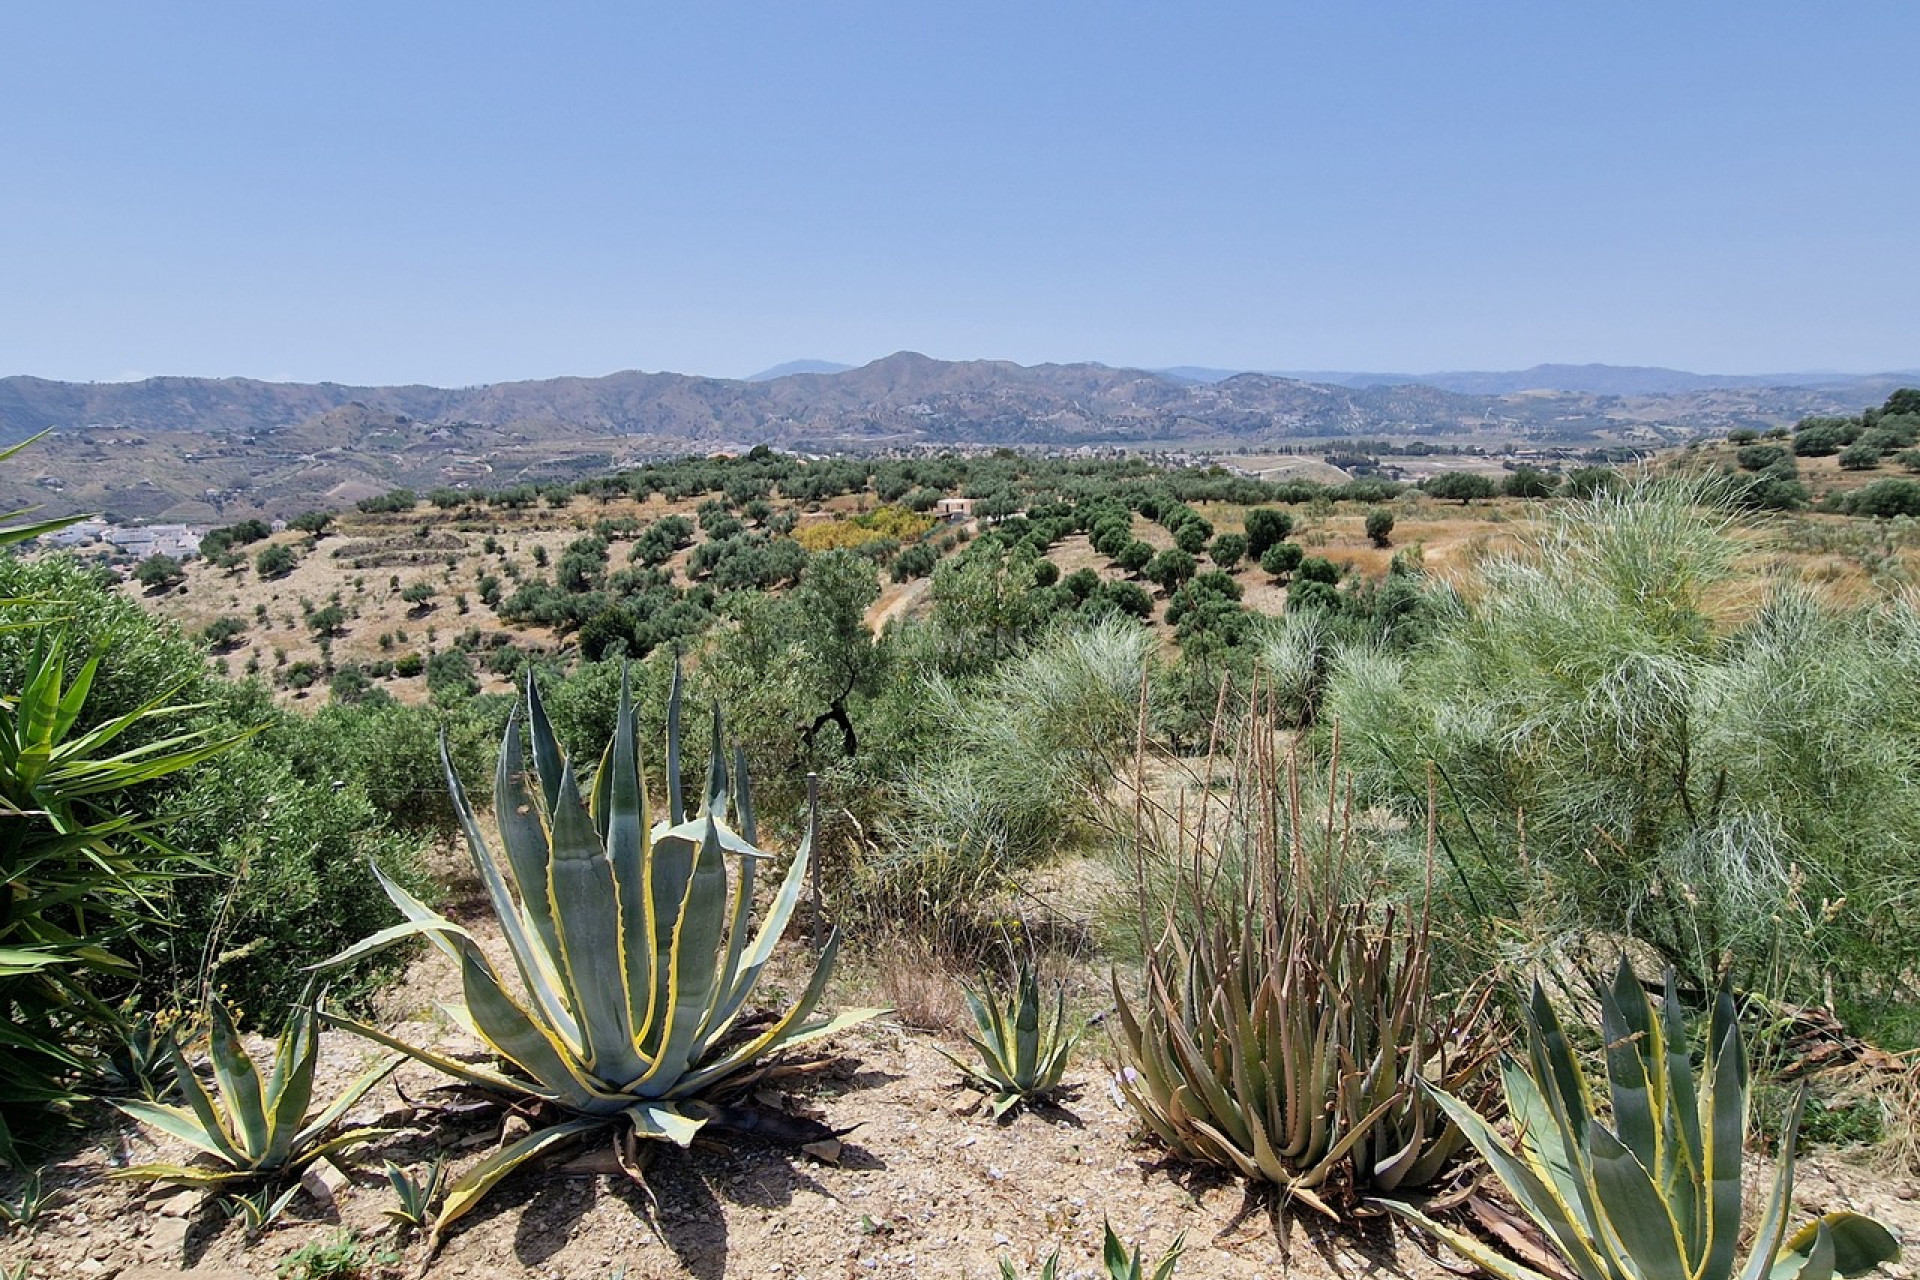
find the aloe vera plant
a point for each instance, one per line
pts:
(1023, 1051)
(1286, 1025)
(629, 939)
(254, 1126)
(1656, 1193)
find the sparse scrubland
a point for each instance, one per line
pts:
(1243, 825)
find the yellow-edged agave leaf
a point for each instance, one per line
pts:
(1656, 1194)
(471, 1187)
(256, 1128)
(630, 940)
(1859, 1243)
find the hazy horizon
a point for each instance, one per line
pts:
(141, 376)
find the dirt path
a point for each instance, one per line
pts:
(895, 601)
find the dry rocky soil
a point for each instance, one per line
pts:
(925, 1184)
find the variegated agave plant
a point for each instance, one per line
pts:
(1653, 1190)
(631, 940)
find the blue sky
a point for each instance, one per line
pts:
(460, 193)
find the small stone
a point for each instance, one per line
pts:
(181, 1204)
(826, 1151)
(169, 1237)
(600, 1160)
(514, 1128)
(325, 1183)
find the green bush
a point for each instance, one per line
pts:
(276, 561)
(1717, 787)
(272, 855)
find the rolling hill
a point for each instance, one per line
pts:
(207, 448)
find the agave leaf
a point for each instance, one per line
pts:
(1817, 1263)
(587, 914)
(479, 1077)
(1724, 1108)
(180, 1175)
(1539, 1135)
(620, 791)
(698, 924)
(985, 1042)
(516, 1035)
(676, 806)
(531, 958)
(1026, 1030)
(379, 941)
(1114, 1255)
(1472, 1248)
(742, 899)
(1171, 1257)
(664, 1121)
(669, 870)
(1532, 1192)
(200, 1102)
(352, 1094)
(524, 836)
(178, 1122)
(1555, 1065)
(240, 1084)
(789, 1031)
(467, 1190)
(1768, 1239)
(1633, 1217)
(716, 803)
(743, 798)
(548, 760)
(290, 1086)
(1859, 1243)
(779, 912)
(340, 1142)
(1626, 1027)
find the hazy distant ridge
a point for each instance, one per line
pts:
(199, 448)
(1583, 379)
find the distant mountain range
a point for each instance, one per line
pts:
(203, 448)
(1586, 379)
(792, 367)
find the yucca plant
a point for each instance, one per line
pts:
(255, 1126)
(80, 869)
(1118, 1263)
(1656, 1193)
(1023, 1051)
(631, 947)
(1287, 1020)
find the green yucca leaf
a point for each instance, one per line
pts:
(629, 938)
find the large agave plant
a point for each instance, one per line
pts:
(1655, 1195)
(630, 941)
(1285, 1027)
